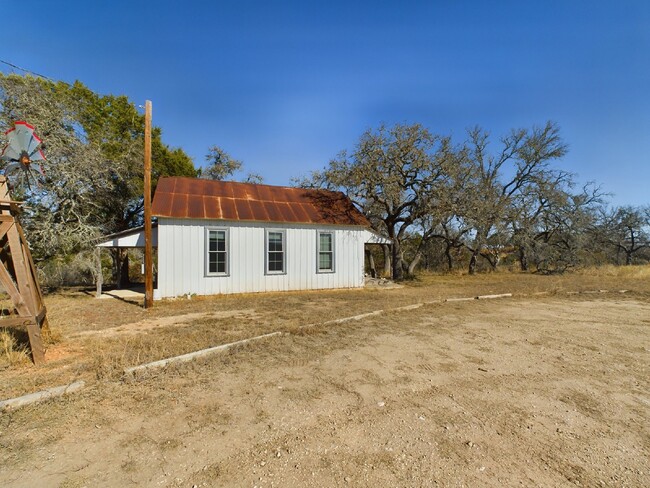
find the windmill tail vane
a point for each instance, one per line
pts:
(23, 148)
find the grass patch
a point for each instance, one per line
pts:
(13, 350)
(96, 339)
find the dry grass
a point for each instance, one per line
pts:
(12, 353)
(87, 342)
(523, 379)
(621, 272)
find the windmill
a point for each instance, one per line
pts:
(17, 271)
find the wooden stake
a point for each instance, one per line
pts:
(148, 248)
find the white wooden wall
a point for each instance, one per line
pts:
(181, 258)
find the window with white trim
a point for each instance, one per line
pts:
(275, 251)
(216, 252)
(325, 252)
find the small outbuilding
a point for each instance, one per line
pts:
(219, 237)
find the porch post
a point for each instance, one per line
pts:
(99, 277)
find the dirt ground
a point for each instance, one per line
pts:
(524, 391)
(94, 340)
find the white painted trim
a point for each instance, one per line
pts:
(267, 231)
(206, 253)
(132, 239)
(318, 251)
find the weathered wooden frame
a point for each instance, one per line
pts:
(18, 276)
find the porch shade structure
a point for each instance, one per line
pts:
(126, 239)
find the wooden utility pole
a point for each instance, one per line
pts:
(148, 248)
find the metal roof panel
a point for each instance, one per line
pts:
(259, 211)
(243, 209)
(285, 211)
(182, 197)
(195, 207)
(179, 205)
(228, 209)
(212, 207)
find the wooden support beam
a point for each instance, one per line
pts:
(36, 343)
(22, 287)
(5, 225)
(20, 268)
(13, 321)
(10, 287)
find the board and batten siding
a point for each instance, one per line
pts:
(182, 258)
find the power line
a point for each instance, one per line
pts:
(27, 71)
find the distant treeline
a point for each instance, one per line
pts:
(445, 204)
(479, 204)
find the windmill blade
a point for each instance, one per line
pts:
(23, 149)
(9, 153)
(13, 167)
(21, 138)
(37, 155)
(26, 138)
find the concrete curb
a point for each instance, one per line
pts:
(78, 385)
(193, 355)
(39, 396)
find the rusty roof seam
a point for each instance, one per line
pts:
(188, 198)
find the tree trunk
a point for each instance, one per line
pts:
(414, 263)
(523, 260)
(497, 260)
(493, 258)
(120, 268)
(371, 263)
(99, 278)
(125, 282)
(450, 259)
(398, 265)
(387, 260)
(472, 262)
(628, 258)
(116, 256)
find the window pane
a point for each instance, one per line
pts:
(275, 241)
(217, 253)
(217, 240)
(276, 261)
(221, 263)
(325, 261)
(325, 242)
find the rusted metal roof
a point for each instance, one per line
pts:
(194, 198)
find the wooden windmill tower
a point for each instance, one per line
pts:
(17, 272)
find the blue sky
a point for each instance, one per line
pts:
(285, 86)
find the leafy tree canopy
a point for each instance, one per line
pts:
(94, 171)
(222, 166)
